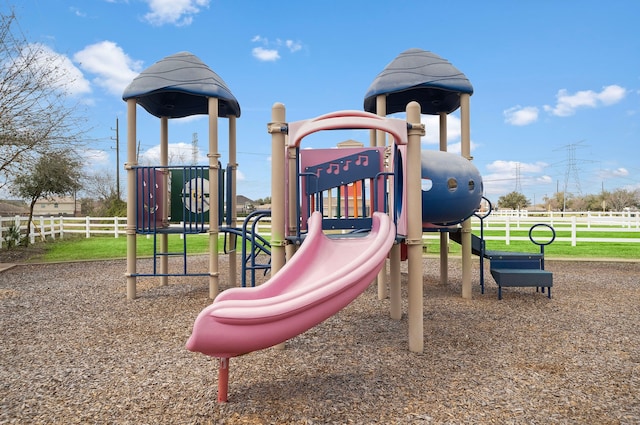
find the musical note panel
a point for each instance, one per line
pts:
(348, 169)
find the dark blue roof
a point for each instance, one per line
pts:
(178, 86)
(421, 76)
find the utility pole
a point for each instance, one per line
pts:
(117, 139)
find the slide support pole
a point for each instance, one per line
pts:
(223, 380)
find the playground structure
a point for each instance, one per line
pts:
(321, 257)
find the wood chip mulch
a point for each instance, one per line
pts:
(75, 350)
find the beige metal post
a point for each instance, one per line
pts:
(214, 228)
(395, 293)
(465, 139)
(277, 130)
(444, 236)
(234, 210)
(395, 290)
(291, 215)
(132, 161)
(381, 136)
(164, 161)
(414, 228)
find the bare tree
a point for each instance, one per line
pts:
(101, 196)
(620, 199)
(36, 115)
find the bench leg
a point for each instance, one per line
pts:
(499, 292)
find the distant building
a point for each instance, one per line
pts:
(56, 205)
(9, 208)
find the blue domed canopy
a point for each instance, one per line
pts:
(421, 76)
(178, 86)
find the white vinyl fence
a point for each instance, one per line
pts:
(505, 223)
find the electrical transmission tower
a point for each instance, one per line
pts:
(518, 183)
(194, 149)
(572, 171)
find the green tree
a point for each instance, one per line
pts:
(589, 202)
(559, 202)
(514, 201)
(57, 173)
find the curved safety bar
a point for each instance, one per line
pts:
(553, 234)
(347, 120)
(489, 210)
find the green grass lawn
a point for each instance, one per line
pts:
(108, 247)
(557, 249)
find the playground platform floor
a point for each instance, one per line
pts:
(74, 350)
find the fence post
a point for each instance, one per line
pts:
(31, 232)
(87, 222)
(507, 231)
(573, 230)
(43, 230)
(17, 225)
(115, 227)
(52, 228)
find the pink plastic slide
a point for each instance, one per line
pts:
(324, 276)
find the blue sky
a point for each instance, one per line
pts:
(556, 98)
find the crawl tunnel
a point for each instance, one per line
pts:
(451, 188)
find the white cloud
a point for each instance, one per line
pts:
(432, 129)
(454, 132)
(178, 153)
(502, 176)
(519, 115)
(293, 46)
(567, 104)
(270, 50)
(58, 69)
(621, 172)
(613, 173)
(500, 166)
(176, 12)
(95, 157)
(112, 67)
(76, 11)
(265, 55)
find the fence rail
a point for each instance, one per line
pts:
(577, 228)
